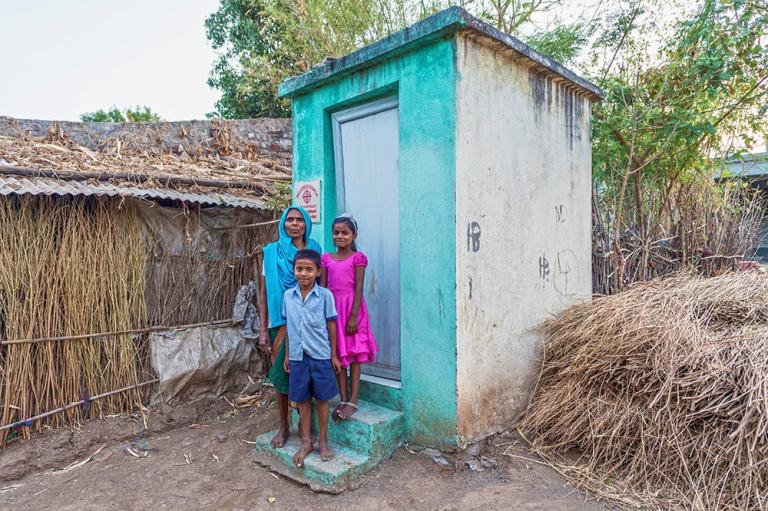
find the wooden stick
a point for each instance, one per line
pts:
(113, 334)
(29, 421)
(259, 224)
(165, 179)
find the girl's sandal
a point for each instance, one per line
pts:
(351, 405)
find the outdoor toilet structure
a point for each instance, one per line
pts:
(465, 158)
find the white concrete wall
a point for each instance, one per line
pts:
(523, 183)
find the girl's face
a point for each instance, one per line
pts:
(343, 236)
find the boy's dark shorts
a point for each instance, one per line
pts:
(310, 378)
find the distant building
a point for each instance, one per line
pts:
(754, 168)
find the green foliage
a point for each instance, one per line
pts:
(563, 43)
(281, 199)
(141, 114)
(138, 114)
(509, 16)
(666, 120)
(111, 115)
(239, 29)
(260, 43)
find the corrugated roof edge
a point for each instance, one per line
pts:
(16, 185)
(748, 157)
(444, 22)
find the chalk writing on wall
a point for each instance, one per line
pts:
(560, 214)
(473, 236)
(567, 275)
(544, 268)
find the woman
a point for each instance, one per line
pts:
(295, 228)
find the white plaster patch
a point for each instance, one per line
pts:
(523, 190)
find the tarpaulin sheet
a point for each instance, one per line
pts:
(199, 362)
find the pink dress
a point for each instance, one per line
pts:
(360, 347)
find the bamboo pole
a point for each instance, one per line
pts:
(116, 333)
(30, 420)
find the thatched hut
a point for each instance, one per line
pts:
(127, 231)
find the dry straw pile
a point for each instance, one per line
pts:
(662, 392)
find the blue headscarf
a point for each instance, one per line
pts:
(278, 265)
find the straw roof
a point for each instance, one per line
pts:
(140, 157)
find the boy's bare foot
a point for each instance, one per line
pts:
(347, 411)
(298, 458)
(325, 453)
(279, 439)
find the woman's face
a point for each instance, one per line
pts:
(294, 224)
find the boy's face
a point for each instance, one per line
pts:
(306, 272)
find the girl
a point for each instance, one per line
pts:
(343, 274)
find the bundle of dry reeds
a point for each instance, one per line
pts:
(197, 283)
(662, 392)
(706, 226)
(69, 267)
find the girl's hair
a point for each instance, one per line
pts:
(349, 221)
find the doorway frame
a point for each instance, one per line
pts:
(347, 115)
(338, 118)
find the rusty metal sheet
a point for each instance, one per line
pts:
(12, 185)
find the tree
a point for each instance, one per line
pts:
(685, 83)
(509, 16)
(562, 43)
(263, 42)
(137, 114)
(111, 115)
(668, 118)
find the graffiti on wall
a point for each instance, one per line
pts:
(564, 269)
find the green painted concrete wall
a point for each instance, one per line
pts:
(424, 79)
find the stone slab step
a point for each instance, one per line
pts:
(332, 476)
(373, 430)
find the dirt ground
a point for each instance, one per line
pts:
(197, 456)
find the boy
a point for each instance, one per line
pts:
(295, 229)
(312, 363)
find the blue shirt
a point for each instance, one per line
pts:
(306, 319)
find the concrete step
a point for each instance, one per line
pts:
(332, 476)
(373, 430)
(360, 443)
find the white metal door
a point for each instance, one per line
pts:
(367, 147)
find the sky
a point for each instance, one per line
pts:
(60, 59)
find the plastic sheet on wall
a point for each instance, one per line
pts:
(199, 362)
